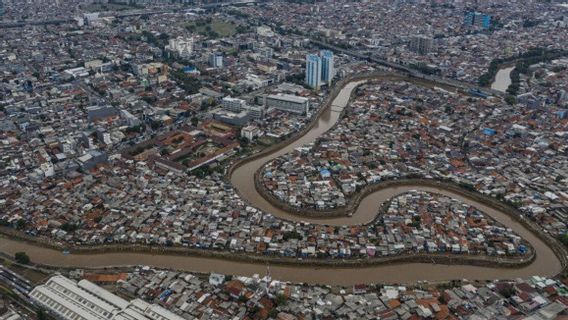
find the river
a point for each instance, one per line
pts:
(502, 79)
(546, 263)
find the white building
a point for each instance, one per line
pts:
(181, 46)
(250, 132)
(216, 60)
(257, 82)
(233, 104)
(11, 315)
(264, 31)
(421, 44)
(69, 300)
(287, 102)
(256, 112)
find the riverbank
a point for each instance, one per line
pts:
(423, 184)
(398, 269)
(340, 272)
(440, 258)
(363, 208)
(323, 108)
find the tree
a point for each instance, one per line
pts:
(155, 125)
(507, 292)
(22, 257)
(41, 315)
(291, 235)
(68, 227)
(194, 121)
(564, 239)
(21, 224)
(281, 300)
(511, 100)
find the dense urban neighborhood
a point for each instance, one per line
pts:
(373, 159)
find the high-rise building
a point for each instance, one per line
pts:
(327, 71)
(421, 44)
(478, 19)
(216, 60)
(233, 104)
(313, 71)
(183, 47)
(484, 21)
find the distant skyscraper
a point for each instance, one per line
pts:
(478, 19)
(484, 21)
(326, 66)
(421, 44)
(216, 60)
(313, 71)
(469, 18)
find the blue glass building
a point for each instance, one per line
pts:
(472, 18)
(326, 66)
(313, 71)
(469, 18)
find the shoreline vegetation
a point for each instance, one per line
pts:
(521, 63)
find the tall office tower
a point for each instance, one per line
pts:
(478, 19)
(216, 60)
(1, 8)
(421, 44)
(313, 71)
(482, 20)
(326, 66)
(469, 18)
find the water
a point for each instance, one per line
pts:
(502, 79)
(546, 263)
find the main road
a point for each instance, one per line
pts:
(546, 263)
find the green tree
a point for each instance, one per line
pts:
(22, 257)
(564, 239)
(68, 227)
(41, 315)
(21, 224)
(511, 100)
(281, 300)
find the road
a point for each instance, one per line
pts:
(464, 86)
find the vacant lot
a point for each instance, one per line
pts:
(212, 28)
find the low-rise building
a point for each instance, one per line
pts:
(287, 102)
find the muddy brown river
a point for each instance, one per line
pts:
(546, 263)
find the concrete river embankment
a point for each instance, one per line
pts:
(404, 270)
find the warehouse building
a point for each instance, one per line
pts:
(68, 300)
(287, 102)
